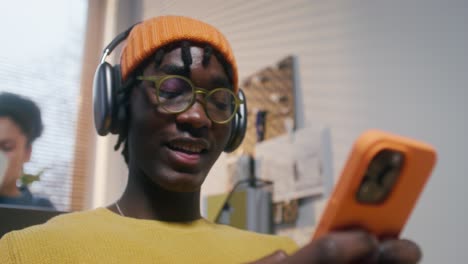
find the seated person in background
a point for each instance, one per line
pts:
(173, 126)
(20, 125)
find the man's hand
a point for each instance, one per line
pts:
(350, 247)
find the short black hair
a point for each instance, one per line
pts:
(124, 93)
(24, 112)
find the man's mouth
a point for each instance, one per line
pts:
(188, 146)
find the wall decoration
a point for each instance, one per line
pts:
(270, 103)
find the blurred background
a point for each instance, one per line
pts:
(399, 66)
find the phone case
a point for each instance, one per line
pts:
(388, 217)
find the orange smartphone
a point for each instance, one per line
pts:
(379, 185)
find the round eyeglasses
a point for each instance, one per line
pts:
(176, 94)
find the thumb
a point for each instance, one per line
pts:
(339, 247)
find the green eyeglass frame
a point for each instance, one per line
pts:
(159, 80)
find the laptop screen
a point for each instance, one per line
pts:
(19, 217)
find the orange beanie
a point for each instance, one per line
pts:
(152, 34)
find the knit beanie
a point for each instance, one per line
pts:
(150, 35)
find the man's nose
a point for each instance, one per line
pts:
(195, 116)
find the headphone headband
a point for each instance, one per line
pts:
(115, 42)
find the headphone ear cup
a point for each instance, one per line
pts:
(107, 81)
(239, 126)
(103, 98)
(118, 110)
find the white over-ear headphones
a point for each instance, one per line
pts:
(108, 81)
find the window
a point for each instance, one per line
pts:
(41, 58)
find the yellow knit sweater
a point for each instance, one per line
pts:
(101, 236)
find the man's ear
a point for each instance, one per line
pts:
(27, 157)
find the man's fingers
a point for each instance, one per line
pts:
(350, 247)
(399, 251)
(342, 247)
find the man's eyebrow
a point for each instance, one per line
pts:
(172, 69)
(220, 82)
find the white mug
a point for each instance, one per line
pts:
(3, 166)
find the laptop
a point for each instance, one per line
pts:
(19, 217)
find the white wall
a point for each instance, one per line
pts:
(396, 65)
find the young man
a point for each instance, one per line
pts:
(20, 125)
(181, 85)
